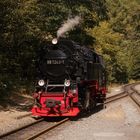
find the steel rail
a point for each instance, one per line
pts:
(123, 94)
(135, 99)
(20, 128)
(132, 95)
(115, 97)
(47, 129)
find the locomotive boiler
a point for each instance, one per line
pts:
(71, 78)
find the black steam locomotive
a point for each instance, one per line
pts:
(71, 78)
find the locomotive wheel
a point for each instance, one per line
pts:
(92, 103)
(89, 103)
(87, 100)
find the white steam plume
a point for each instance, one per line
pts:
(68, 25)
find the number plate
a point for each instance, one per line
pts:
(49, 62)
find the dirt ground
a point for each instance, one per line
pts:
(20, 102)
(13, 107)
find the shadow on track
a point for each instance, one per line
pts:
(86, 114)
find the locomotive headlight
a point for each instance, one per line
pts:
(67, 83)
(41, 82)
(54, 41)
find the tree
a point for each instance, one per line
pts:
(108, 44)
(118, 40)
(24, 24)
(125, 19)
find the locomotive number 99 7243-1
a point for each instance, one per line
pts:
(49, 62)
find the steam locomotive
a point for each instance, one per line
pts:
(72, 79)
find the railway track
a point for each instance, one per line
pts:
(44, 131)
(129, 90)
(19, 129)
(115, 97)
(33, 130)
(135, 95)
(40, 127)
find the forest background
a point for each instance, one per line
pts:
(110, 27)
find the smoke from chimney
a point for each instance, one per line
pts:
(68, 25)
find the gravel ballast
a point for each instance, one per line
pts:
(9, 120)
(120, 120)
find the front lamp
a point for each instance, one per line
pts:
(41, 83)
(67, 83)
(54, 41)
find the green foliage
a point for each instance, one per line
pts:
(118, 39)
(125, 19)
(108, 43)
(26, 23)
